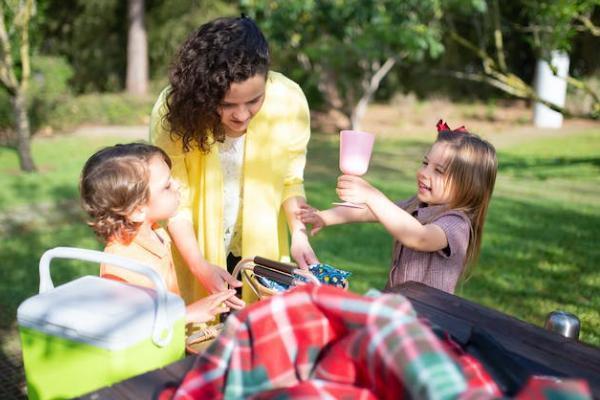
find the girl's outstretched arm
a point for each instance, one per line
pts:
(401, 225)
(333, 216)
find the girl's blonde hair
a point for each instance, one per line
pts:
(114, 183)
(470, 175)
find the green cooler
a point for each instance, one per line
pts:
(93, 332)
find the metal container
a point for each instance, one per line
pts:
(565, 323)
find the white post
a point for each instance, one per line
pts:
(552, 88)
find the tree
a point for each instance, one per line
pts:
(14, 74)
(137, 50)
(547, 25)
(347, 47)
(93, 35)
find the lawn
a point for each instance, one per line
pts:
(539, 251)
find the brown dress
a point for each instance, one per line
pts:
(439, 269)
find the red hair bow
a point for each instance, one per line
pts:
(442, 126)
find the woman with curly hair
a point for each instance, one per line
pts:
(236, 133)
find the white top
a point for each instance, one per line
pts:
(231, 154)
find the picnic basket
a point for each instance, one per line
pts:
(283, 273)
(199, 337)
(249, 270)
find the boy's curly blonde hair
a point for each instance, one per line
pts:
(114, 183)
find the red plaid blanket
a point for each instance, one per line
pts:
(323, 342)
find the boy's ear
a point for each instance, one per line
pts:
(139, 215)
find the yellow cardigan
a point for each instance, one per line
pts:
(274, 160)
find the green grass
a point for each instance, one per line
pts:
(539, 250)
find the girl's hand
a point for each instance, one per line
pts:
(301, 251)
(206, 309)
(355, 189)
(216, 279)
(310, 216)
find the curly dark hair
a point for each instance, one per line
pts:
(114, 182)
(219, 53)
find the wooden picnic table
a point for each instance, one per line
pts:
(542, 349)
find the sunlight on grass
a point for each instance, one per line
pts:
(59, 160)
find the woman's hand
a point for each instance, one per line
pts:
(311, 216)
(206, 309)
(355, 189)
(216, 279)
(301, 251)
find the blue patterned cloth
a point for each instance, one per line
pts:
(325, 274)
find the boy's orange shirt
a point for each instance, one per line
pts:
(148, 250)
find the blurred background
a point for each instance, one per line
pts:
(76, 75)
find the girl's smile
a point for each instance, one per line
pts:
(432, 186)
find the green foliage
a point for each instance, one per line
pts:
(102, 109)
(14, 12)
(553, 23)
(325, 43)
(48, 88)
(52, 105)
(345, 42)
(92, 35)
(169, 23)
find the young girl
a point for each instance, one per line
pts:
(438, 231)
(126, 190)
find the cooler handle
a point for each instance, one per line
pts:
(74, 253)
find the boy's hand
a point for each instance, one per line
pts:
(217, 279)
(355, 189)
(204, 310)
(310, 216)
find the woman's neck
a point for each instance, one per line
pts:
(234, 135)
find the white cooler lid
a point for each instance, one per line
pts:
(101, 312)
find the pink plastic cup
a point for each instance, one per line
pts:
(355, 154)
(355, 151)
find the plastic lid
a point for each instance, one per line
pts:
(100, 312)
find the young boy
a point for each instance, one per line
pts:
(126, 190)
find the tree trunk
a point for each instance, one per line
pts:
(137, 50)
(370, 89)
(337, 109)
(551, 86)
(23, 132)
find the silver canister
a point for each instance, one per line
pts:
(562, 322)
